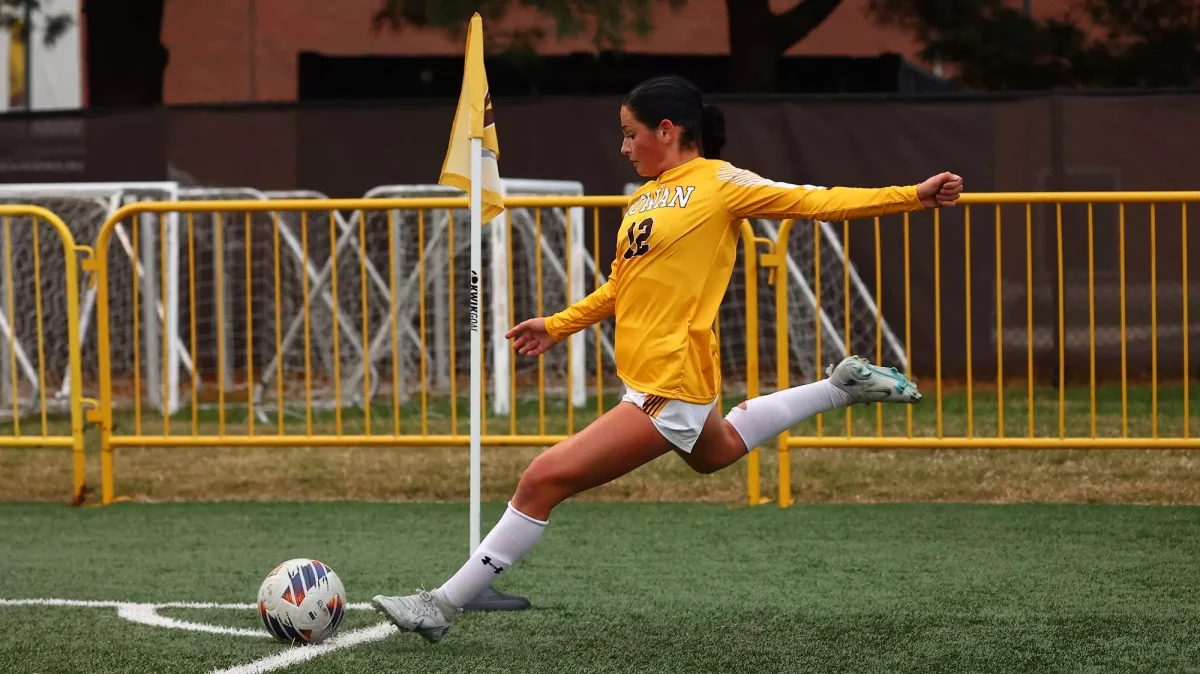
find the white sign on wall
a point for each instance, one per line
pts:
(55, 72)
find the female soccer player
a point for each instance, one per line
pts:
(675, 255)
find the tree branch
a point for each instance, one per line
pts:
(796, 23)
(609, 22)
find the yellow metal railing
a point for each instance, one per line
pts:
(1078, 422)
(1106, 352)
(430, 419)
(55, 427)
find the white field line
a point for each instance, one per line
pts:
(298, 654)
(147, 614)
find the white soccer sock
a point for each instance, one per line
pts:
(510, 540)
(767, 416)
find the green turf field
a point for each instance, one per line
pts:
(629, 587)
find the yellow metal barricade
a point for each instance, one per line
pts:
(40, 408)
(341, 323)
(292, 321)
(1088, 338)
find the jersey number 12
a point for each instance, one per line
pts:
(637, 239)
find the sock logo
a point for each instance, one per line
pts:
(488, 562)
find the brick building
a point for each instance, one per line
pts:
(245, 50)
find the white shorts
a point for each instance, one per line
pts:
(679, 422)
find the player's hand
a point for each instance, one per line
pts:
(530, 337)
(940, 191)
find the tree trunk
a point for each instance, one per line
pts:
(758, 38)
(753, 49)
(754, 67)
(126, 58)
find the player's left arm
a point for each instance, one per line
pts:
(747, 195)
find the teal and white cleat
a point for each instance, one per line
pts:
(423, 613)
(866, 383)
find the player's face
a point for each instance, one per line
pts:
(645, 148)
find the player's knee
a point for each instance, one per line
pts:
(705, 467)
(543, 471)
(546, 481)
(720, 455)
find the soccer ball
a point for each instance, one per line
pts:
(301, 601)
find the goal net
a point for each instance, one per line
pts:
(387, 294)
(35, 362)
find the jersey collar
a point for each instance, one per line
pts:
(678, 170)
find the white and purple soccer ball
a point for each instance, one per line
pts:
(301, 601)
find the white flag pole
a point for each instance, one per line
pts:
(476, 341)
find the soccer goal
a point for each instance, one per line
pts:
(84, 208)
(411, 266)
(227, 296)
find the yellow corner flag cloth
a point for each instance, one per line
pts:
(473, 119)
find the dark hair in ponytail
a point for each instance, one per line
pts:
(713, 137)
(674, 98)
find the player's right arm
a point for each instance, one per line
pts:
(535, 336)
(585, 313)
(590, 310)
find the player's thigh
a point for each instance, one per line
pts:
(617, 443)
(718, 446)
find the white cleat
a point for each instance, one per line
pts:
(423, 613)
(866, 383)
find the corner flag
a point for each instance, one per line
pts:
(471, 167)
(473, 119)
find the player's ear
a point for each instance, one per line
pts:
(666, 131)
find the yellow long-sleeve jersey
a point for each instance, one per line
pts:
(675, 253)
